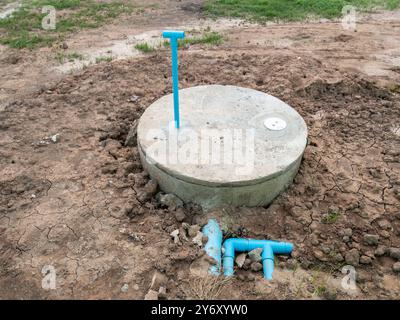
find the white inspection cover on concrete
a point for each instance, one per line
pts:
(235, 146)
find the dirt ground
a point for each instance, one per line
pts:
(73, 196)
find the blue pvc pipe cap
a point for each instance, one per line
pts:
(172, 34)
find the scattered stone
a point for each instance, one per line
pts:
(171, 201)
(140, 179)
(125, 288)
(347, 232)
(380, 251)
(338, 257)
(133, 98)
(162, 293)
(240, 259)
(365, 260)
(148, 191)
(384, 224)
(241, 277)
(320, 255)
(64, 46)
(256, 266)
(396, 267)
(385, 234)
(55, 138)
(371, 239)
(175, 235)
(130, 140)
(247, 263)
(193, 230)
(353, 257)
(251, 277)
(159, 280)
(180, 215)
(198, 239)
(255, 255)
(151, 295)
(394, 253)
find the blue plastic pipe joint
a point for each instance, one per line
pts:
(174, 36)
(244, 245)
(214, 244)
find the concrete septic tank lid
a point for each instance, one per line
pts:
(235, 146)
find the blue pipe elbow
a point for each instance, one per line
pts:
(213, 245)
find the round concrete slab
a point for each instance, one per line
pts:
(235, 146)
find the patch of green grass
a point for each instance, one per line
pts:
(209, 38)
(70, 57)
(331, 217)
(23, 29)
(144, 47)
(104, 59)
(290, 9)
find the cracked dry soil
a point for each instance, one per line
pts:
(78, 204)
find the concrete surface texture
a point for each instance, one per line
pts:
(236, 146)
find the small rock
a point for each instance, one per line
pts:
(353, 257)
(148, 191)
(241, 277)
(133, 98)
(365, 260)
(198, 239)
(338, 257)
(159, 280)
(193, 230)
(180, 215)
(162, 293)
(319, 255)
(140, 179)
(384, 224)
(394, 253)
(371, 239)
(55, 138)
(130, 140)
(255, 255)
(151, 295)
(348, 232)
(256, 266)
(396, 267)
(171, 201)
(64, 46)
(247, 264)
(240, 259)
(125, 288)
(175, 235)
(251, 277)
(380, 251)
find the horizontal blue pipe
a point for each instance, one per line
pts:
(173, 34)
(213, 245)
(244, 245)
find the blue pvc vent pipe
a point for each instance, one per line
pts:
(244, 245)
(174, 36)
(214, 244)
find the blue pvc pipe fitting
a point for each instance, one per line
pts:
(243, 245)
(213, 245)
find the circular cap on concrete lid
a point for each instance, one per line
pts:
(225, 138)
(275, 124)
